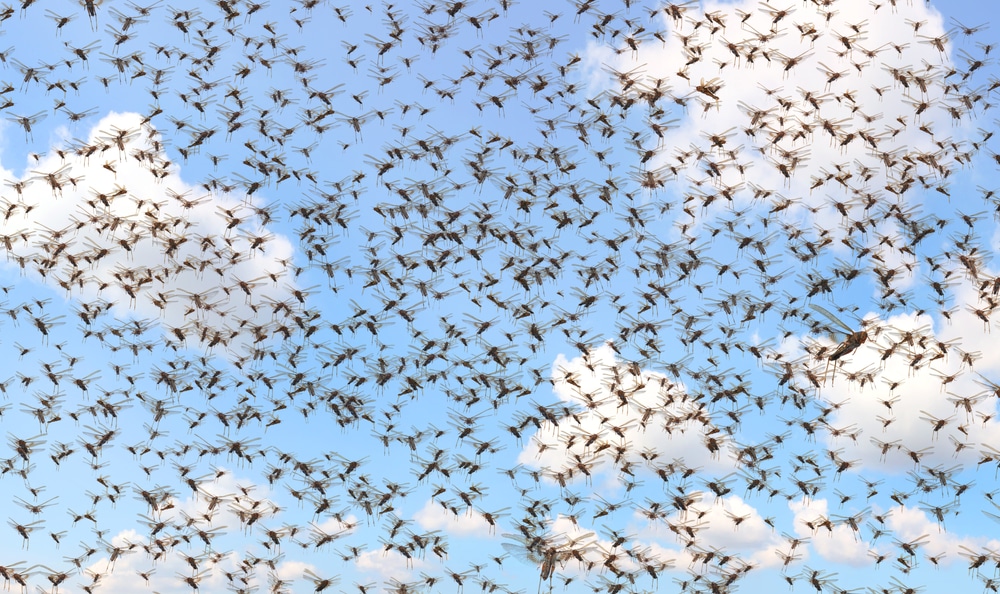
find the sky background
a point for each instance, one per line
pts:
(377, 293)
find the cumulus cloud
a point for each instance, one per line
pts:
(733, 523)
(172, 572)
(911, 524)
(110, 220)
(724, 524)
(813, 114)
(173, 564)
(432, 516)
(582, 551)
(833, 541)
(348, 523)
(909, 398)
(388, 565)
(625, 418)
(903, 527)
(226, 501)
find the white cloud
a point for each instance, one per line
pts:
(911, 524)
(810, 113)
(727, 524)
(836, 541)
(733, 523)
(348, 524)
(621, 406)
(907, 391)
(222, 499)
(167, 574)
(114, 220)
(832, 541)
(292, 570)
(387, 565)
(432, 516)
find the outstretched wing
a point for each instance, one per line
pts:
(834, 319)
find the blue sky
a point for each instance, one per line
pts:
(300, 292)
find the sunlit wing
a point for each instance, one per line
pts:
(832, 318)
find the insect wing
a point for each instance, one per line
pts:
(837, 321)
(521, 550)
